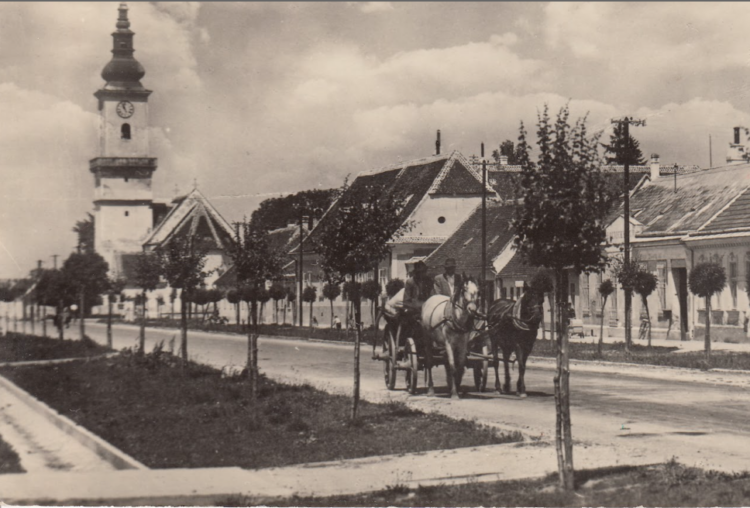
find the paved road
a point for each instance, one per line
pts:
(664, 414)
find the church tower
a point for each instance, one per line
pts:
(123, 197)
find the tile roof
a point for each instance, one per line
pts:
(465, 245)
(735, 217)
(413, 180)
(699, 197)
(517, 269)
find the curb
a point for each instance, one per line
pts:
(106, 451)
(56, 360)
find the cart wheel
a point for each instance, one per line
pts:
(481, 371)
(389, 364)
(412, 374)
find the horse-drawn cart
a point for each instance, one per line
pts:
(403, 349)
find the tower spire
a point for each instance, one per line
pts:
(123, 71)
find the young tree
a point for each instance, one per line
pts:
(172, 298)
(627, 275)
(146, 277)
(233, 297)
(606, 288)
(114, 290)
(619, 152)
(182, 262)
(159, 304)
(277, 293)
(87, 273)
(645, 284)
(263, 297)
(331, 291)
(309, 295)
(291, 297)
(707, 279)
(255, 262)
(542, 283)
(560, 226)
(354, 238)
(371, 290)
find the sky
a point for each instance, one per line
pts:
(252, 100)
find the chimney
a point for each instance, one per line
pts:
(654, 166)
(737, 135)
(39, 264)
(437, 143)
(503, 160)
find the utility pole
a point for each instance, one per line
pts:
(626, 122)
(483, 291)
(54, 257)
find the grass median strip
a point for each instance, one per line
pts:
(18, 347)
(169, 417)
(669, 484)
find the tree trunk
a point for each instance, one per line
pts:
(142, 333)
(237, 308)
(311, 315)
(81, 326)
(252, 365)
(254, 311)
(44, 322)
(648, 319)
(171, 310)
(23, 317)
(61, 320)
(33, 317)
(357, 342)
(109, 322)
(183, 328)
(628, 319)
(707, 340)
(15, 317)
(563, 436)
(601, 330)
(331, 313)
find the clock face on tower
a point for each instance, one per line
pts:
(125, 109)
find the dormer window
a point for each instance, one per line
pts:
(125, 131)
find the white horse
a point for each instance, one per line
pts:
(448, 323)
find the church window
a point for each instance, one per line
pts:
(125, 131)
(441, 220)
(126, 179)
(127, 213)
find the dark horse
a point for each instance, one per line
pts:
(512, 327)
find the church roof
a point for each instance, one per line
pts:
(192, 214)
(123, 72)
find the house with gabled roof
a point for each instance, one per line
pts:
(439, 193)
(680, 221)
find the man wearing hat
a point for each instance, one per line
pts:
(447, 282)
(417, 289)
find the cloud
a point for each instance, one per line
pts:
(45, 146)
(376, 7)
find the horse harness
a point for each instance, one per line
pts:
(450, 319)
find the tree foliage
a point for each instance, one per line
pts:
(183, 260)
(309, 294)
(560, 223)
(619, 152)
(148, 271)
(87, 272)
(331, 291)
(274, 213)
(371, 290)
(606, 288)
(707, 279)
(355, 235)
(84, 230)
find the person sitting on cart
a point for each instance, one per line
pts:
(417, 290)
(447, 282)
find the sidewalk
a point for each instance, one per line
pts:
(212, 486)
